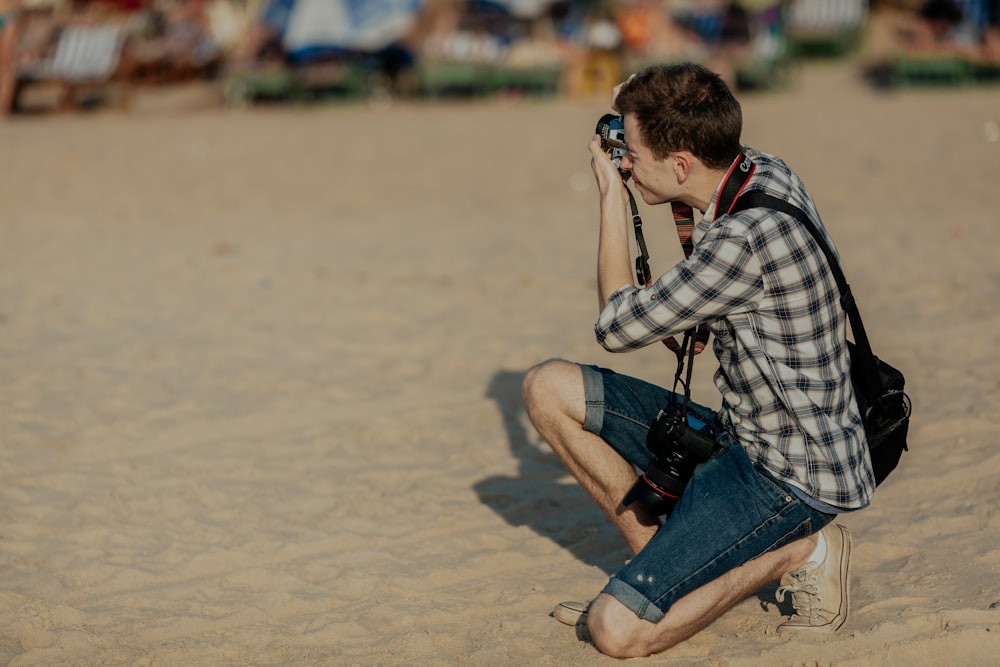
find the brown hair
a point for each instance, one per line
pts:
(684, 107)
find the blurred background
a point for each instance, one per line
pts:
(84, 54)
(260, 368)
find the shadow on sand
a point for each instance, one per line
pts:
(542, 495)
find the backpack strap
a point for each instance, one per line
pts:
(863, 348)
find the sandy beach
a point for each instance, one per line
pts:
(260, 379)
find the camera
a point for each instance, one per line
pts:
(679, 442)
(611, 129)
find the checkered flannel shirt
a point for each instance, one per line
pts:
(763, 286)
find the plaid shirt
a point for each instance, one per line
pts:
(763, 286)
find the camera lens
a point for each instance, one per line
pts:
(679, 449)
(650, 497)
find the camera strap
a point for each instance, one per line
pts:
(684, 224)
(694, 339)
(686, 349)
(642, 273)
(734, 183)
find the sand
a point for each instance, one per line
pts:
(260, 379)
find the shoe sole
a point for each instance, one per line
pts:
(845, 573)
(571, 613)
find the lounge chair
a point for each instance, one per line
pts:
(825, 27)
(85, 57)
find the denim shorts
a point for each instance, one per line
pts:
(731, 512)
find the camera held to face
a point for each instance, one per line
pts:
(611, 129)
(678, 440)
(679, 444)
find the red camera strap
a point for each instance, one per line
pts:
(733, 184)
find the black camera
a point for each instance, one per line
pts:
(611, 129)
(679, 442)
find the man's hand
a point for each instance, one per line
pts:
(607, 173)
(614, 268)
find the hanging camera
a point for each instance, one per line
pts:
(679, 442)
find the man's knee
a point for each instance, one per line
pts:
(552, 385)
(617, 631)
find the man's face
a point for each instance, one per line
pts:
(654, 179)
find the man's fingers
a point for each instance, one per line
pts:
(595, 147)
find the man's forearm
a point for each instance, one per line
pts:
(614, 266)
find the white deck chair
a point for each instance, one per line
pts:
(85, 55)
(827, 15)
(831, 26)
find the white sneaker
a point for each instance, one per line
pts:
(821, 591)
(572, 612)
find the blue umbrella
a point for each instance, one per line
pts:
(310, 27)
(524, 9)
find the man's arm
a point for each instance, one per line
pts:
(720, 277)
(614, 265)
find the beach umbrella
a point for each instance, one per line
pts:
(347, 25)
(522, 9)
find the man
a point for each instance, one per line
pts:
(791, 450)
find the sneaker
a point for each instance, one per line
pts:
(571, 613)
(821, 591)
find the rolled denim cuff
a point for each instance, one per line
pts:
(634, 600)
(593, 393)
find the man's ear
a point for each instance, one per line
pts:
(683, 161)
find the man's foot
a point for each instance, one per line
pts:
(571, 613)
(821, 591)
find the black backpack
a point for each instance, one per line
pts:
(878, 387)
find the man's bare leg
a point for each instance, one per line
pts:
(555, 401)
(618, 632)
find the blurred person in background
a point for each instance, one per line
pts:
(942, 27)
(650, 32)
(179, 44)
(9, 20)
(991, 35)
